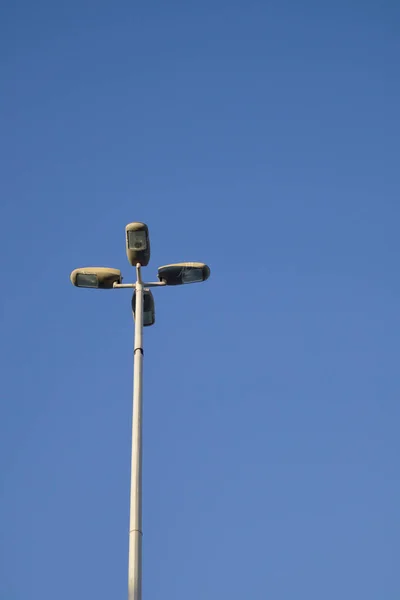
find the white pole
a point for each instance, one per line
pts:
(135, 526)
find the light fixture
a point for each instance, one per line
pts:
(149, 313)
(137, 244)
(182, 273)
(96, 277)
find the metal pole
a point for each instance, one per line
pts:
(135, 526)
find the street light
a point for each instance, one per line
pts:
(138, 252)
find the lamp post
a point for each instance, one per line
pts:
(138, 253)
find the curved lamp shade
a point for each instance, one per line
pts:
(137, 244)
(149, 313)
(182, 273)
(96, 277)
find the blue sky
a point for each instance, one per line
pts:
(259, 137)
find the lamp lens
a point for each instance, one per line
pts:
(192, 275)
(137, 240)
(148, 318)
(87, 280)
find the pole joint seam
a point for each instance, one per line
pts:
(141, 350)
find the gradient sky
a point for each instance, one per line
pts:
(259, 137)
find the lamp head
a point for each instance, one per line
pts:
(149, 313)
(137, 244)
(182, 273)
(96, 277)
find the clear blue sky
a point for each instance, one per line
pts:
(262, 138)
